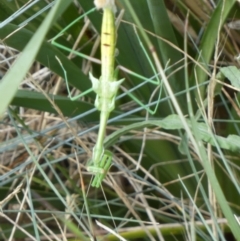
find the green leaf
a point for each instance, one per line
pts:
(173, 122)
(232, 73)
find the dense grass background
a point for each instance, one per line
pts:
(187, 185)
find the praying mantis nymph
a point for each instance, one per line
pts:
(106, 87)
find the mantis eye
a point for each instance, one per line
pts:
(105, 3)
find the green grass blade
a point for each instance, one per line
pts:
(209, 38)
(13, 78)
(38, 101)
(163, 28)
